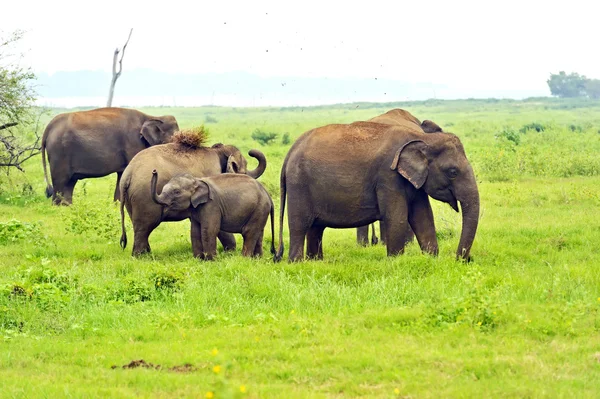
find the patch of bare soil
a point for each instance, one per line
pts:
(184, 368)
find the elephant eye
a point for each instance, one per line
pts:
(452, 173)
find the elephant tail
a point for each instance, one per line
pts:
(282, 193)
(273, 229)
(49, 188)
(123, 241)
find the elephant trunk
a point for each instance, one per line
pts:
(469, 204)
(262, 164)
(155, 197)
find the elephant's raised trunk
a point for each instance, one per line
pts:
(469, 204)
(155, 197)
(262, 164)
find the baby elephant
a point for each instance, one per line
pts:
(230, 202)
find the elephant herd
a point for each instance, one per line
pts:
(338, 175)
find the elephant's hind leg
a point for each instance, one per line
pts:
(251, 242)
(228, 241)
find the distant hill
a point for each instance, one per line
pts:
(148, 87)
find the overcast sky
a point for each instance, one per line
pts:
(468, 44)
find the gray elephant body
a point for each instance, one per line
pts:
(96, 143)
(171, 160)
(403, 118)
(229, 202)
(345, 176)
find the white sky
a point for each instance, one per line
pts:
(467, 44)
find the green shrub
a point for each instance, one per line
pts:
(15, 230)
(510, 135)
(285, 140)
(98, 218)
(538, 127)
(210, 119)
(264, 138)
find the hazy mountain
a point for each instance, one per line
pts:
(149, 87)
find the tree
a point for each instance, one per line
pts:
(17, 113)
(563, 85)
(592, 88)
(115, 73)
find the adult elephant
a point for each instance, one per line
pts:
(169, 160)
(345, 176)
(96, 143)
(396, 117)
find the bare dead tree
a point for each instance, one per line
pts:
(115, 73)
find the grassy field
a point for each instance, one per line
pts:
(521, 320)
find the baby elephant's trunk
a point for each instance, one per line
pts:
(155, 197)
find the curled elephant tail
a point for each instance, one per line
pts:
(123, 241)
(282, 193)
(49, 188)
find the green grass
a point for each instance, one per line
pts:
(521, 320)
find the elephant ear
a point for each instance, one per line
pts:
(201, 194)
(152, 131)
(431, 127)
(411, 162)
(232, 165)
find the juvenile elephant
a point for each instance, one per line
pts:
(396, 117)
(170, 160)
(229, 202)
(349, 175)
(97, 143)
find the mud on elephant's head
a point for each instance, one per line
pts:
(232, 160)
(159, 130)
(437, 164)
(181, 192)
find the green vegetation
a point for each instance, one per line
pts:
(521, 320)
(573, 85)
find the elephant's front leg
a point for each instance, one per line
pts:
(362, 235)
(421, 220)
(196, 237)
(210, 222)
(396, 227)
(314, 242)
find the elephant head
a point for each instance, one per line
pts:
(437, 163)
(180, 192)
(232, 160)
(159, 130)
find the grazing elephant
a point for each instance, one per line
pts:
(97, 143)
(170, 160)
(228, 202)
(349, 175)
(396, 117)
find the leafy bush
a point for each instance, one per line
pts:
(538, 127)
(264, 138)
(510, 135)
(99, 218)
(285, 140)
(15, 230)
(210, 119)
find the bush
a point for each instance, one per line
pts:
(96, 217)
(210, 119)
(285, 140)
(264, 138)
(510, 135)
(15, 230)
(538, 127)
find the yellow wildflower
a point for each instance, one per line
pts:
(479, 323)
(217, 369)
(293, 311)
(242, 388)
(397, 391)
(214, 352)
(209, 395)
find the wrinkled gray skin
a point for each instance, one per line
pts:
(229, 202)
(171, 160)
(349, 175)
(396, 117)
(97, 143)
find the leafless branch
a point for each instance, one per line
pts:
(116, 74)
(7, 125)
(14, 154)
